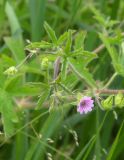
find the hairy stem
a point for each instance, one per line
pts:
(109, 91)
(110, 81)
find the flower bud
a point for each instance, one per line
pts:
(11, 71)
(119, 100)
(107, 103)
(44, 63)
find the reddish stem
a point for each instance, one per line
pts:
(109, 91)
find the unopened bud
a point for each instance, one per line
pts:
(60, 51)
(44, 63)
(119, 100)
(107, 103)
(11, 71)
(28, 41)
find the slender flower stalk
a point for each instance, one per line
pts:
(110, 81)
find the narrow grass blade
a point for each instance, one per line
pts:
(114, 145)
(37, 16)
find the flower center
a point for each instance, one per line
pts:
(83, 103)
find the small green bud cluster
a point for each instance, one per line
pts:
(11, 71)
(113, 101)
(44, 63)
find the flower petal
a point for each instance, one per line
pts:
(85, 105)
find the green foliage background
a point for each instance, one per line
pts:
(92, 54)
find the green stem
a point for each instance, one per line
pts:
(65, 88)
(47, 75)
(79, 75)
(47, 145)
(26, 58)
(109, 91)
(111, 80)
(26, 125)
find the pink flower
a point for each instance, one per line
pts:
(85, 105)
